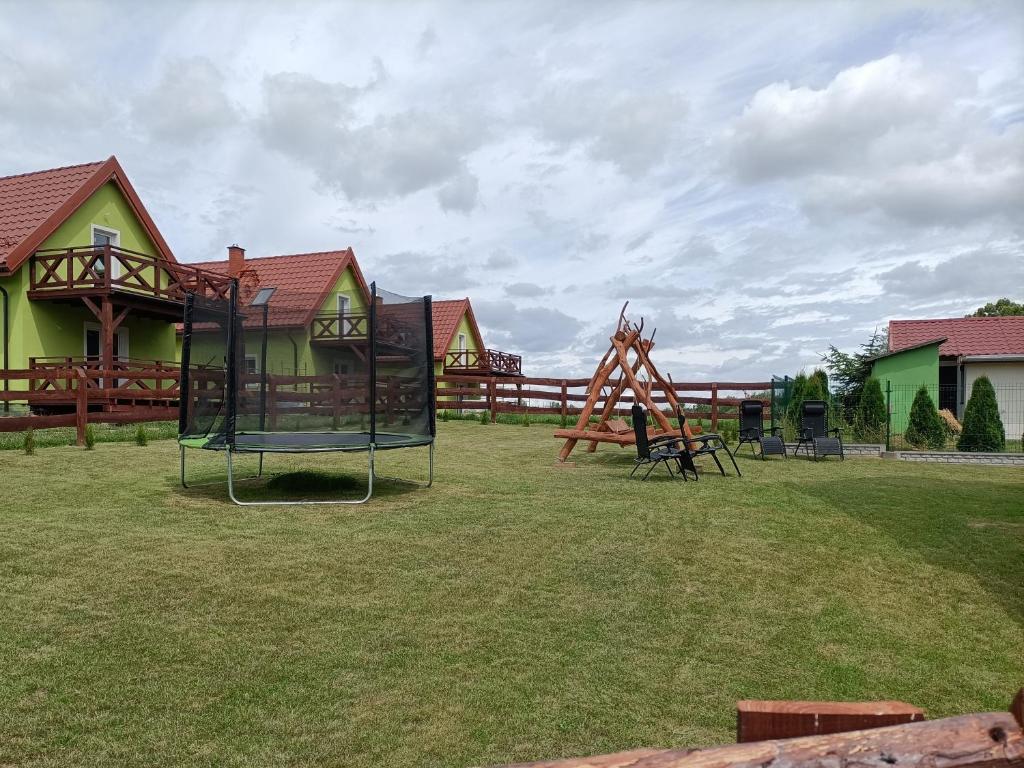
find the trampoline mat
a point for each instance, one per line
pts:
(301, 442)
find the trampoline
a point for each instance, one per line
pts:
(377, 396)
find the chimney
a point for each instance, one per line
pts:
(236, 260)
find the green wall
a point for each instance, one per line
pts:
(48, 328)
(905, 372)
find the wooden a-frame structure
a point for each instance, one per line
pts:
(628, 338)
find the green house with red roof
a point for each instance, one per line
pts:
(947, 355)
(86, 278)
(317, 318)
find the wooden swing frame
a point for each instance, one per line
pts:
(628, 338)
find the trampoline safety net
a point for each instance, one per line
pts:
(266, 377)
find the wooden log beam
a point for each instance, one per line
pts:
(987, 740)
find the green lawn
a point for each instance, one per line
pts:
(514, 611)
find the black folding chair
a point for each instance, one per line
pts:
(815, 434)
(708, 444)
(655, 451)
(752, 431)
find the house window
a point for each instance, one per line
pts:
(102, 236)
(341, 367)
(251, 370)
(344, 309)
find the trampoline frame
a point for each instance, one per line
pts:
(370, 477)
(371, 447)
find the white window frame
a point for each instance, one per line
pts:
(115, 237)
(255, 370)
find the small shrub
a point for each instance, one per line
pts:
(526, 419)
(925, 427)
(444, 415)
(140, 436)
(485, 417)
(869, 424)
(90, 437)
(563, 421)
(729, 430)
(822, 382)
(796, 398)
(982, 428)
(28, 443)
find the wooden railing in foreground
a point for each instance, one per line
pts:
(713, 400)
(990, 739)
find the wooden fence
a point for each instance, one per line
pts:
(714, 401)
(76, 395)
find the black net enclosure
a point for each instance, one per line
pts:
(266, 371)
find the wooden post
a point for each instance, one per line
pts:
(107, 334)
(565, 400)
(272, 402)
(492, 397)
(81, 405)
(714, 406)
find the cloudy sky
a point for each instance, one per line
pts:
(758, 179)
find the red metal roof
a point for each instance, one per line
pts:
(33, 205)
(964, 335)
(302, 280)
(447, 315)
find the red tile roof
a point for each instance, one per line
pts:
(964, 335)
(447, 314)
(33, 205)
(302, 280)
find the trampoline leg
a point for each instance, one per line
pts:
(181, 448)
(231, 489)
(430, 477)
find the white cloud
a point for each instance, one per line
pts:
(188, 104)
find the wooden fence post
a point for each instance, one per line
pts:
(714, 406)
(272, 402)
(565, 400)
(81, 405)
(492, 398)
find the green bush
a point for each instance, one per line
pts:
(485, 417)
(90, 437)
(870, 419)
(983, 429)
(729, 430)
(29, 442)
(140, 436)
(444, 415)
(925, 427)
(821, 378)
(526, 419)
(796, 398)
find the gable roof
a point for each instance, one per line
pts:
(447, 314)
(963, 335)
(33, 205)
(303, 281)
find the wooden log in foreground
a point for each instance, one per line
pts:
(987, 740)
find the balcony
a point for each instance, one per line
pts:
(485, 362)
(337, 327)
(128, 276)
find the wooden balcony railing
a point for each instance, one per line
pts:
(487, 361)
(103, 269)
(339, 327)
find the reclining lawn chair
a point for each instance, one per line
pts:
(705, 444)
(814, 431)
(659, 450)
(752, 431)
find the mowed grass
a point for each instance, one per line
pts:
(514, 611)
